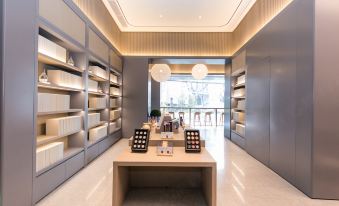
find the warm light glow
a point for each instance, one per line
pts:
(161, 72)
(199, 71)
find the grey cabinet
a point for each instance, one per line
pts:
(74, 164)
(92, 153)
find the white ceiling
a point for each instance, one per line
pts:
(178, 15)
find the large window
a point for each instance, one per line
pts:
(184, 91)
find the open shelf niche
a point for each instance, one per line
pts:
(115, 101)
(238, 99)
(60, 102)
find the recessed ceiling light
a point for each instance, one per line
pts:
(200, 17)
(161, 16)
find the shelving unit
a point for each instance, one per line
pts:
(238, 99)
(69, 92)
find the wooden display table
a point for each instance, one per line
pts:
(147, 170)
(178, 139)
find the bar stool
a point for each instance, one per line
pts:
(197, 118)
(172, 114)
(222, 117)
(208, 118)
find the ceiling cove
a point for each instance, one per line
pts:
(178, 15)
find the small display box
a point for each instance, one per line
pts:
(192, 140)
(165, 149)
(140, 140)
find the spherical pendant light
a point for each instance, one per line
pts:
(161, 72)
(199, 71)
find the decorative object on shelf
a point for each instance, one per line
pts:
(43, 78)
(70, 61)
(199, 71)
(147, 126)
(161, 72)
(140, 140)
(192, 141)
(155, 114)
(165, 148)
(167, 124)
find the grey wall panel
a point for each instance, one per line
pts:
(155, 94)
(17, 107)
(326, 101)
(304, 92)
(98, 46)
(227, 105)
(74, 164)
(258, 106)
(283, 93)
(135, 96)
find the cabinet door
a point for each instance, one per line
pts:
(258, 109)
(74, 164)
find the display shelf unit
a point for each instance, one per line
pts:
(238, 99)
(70, 82)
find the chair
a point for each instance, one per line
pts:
(197, 118)
(222, 117)
(208, 118)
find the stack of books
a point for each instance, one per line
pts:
(49, 154)
(51, 49)
(92, 85)
(113, 78)
(48, 102)
(93, 119)
(98, 71)
(64, 79)
(63, 126)
(114, 91)
(115, 114)
(98, 133)
(97, 103)
(113, 103)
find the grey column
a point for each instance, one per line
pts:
(18, 49)
(135, 96)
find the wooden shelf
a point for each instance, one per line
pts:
(116, 96)
(97, 93)
(90, 143)
(57, 87)
(116, 130)
(59, 112)
(238, 122)
(239, 72)
(242, 110)
(54, 62)
(242, 97)
(115, 119)
(237, 133)
(44, 139)
(97, 78)
(115, 84)
(117, 107)
(239, 85)
(68, 153)
(96, 109)
(98, 124)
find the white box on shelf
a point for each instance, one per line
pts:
(239, 116)
(114, 91)
(63, 126)
(239, 92)
(65, 79)
(113, 103)
(241, 79)
(92, 85)
(48, 102)
(98, 71)
(113, 78)
(49, 154)
(93, 119)
(97, 133)
(240, 129)
(112, 126)
(115, 114)
(241, 104)
(51, 49)
(97, 102)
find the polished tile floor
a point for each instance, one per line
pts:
(241, 180)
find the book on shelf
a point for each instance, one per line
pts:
(113, 78)
(97, 102)
(64, 79)
(51, 49)
(48, 154)
(98, 71)
(239, 116)
(113, 103)
(92, 85)
(48, 102)
(241, 79)
(63, 125)
(97, 133)
(115, 114)
(239, 92)
(241, 104)
(239, 128)
(93, 119)
(115, 91)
